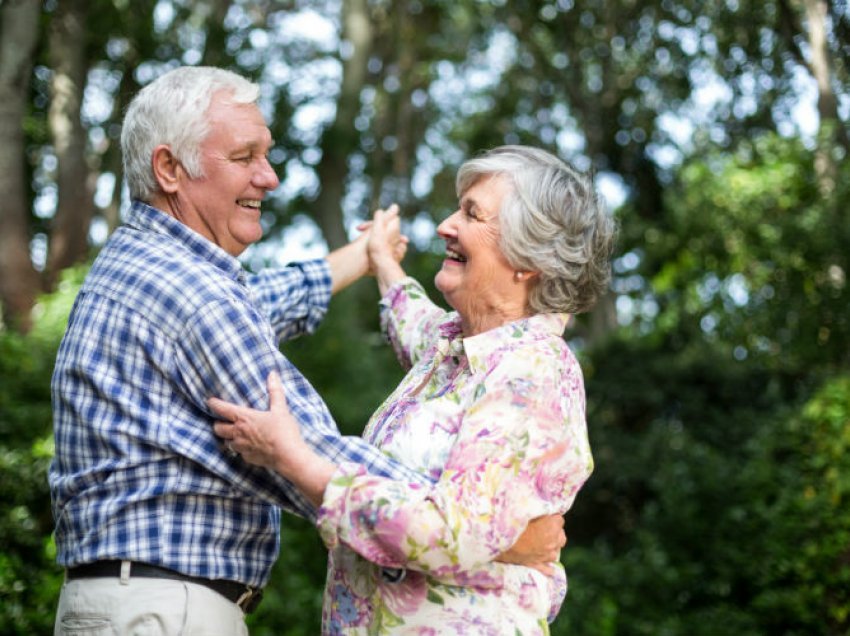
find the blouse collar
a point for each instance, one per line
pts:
(479, 347)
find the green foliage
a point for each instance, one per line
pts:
(720, 423)
(751, 255)
(718, 505)
(29, 577)
(292, 603)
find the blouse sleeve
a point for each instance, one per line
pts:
(522, 452)
(410, 320)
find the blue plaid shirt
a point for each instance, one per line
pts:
(164, 320)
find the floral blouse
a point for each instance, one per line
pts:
(498, 420)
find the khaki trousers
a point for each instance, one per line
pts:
(145, 607)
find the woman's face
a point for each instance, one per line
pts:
(476, 279)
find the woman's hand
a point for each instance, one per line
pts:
(386, 248)
(351, 261)
(272, 439)
(386, 244)
(539, 546)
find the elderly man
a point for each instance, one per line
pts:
(156, 523)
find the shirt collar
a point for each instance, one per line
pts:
(480, 346)
(150, 219)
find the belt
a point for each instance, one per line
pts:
(246, 597)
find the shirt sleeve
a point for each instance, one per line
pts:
(228, 352)
(294, 299)
(522, 452)
(410, 320)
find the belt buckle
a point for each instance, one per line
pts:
(249, 600)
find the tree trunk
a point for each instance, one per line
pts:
(70, 229)
(396, 116)
(831, 130)
(215, 47)
(19, 282)
(340, 139)
(112, 158)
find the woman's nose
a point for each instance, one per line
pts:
(447, 227)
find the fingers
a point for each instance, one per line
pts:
(225, 430)
(545, 568)
(227, 410)
(379, 223)
(384, 219)
(389, 213)
(380, 216)
(277, 398)
(562, 535)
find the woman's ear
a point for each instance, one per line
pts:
(165, 168)
(525, 276)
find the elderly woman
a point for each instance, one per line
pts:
(493, 407)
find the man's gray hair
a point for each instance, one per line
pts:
(172, 110)
(552, 222)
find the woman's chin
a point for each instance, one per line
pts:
(446, 288)
(442, 281)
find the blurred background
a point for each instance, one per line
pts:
(717, 368)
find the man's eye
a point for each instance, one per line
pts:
(244, 158)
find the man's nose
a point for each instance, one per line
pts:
(266, 177)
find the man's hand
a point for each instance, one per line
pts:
(539, 546)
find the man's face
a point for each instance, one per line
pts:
(224, 204)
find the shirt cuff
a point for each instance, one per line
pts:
(318, 275)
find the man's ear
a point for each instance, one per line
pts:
(165, 169)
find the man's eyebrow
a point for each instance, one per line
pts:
(255, 145)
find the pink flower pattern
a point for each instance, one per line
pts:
(499, 418)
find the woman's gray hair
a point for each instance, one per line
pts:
(172, 110)
(552, 222)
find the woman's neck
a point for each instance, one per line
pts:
(473, 323)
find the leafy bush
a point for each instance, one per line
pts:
(718, 505)
(29, 578)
